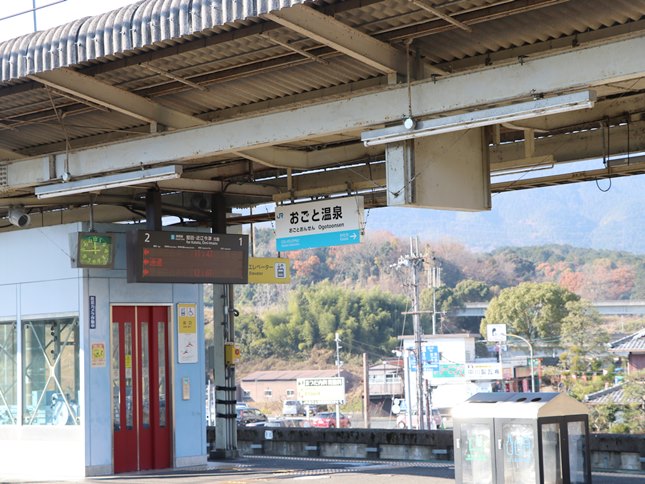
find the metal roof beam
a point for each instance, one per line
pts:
(578, 145)
(341, 37)
(8, 155)
(594, 66)
(428, 7)
(111, 97)
(284, 158)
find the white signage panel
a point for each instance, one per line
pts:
(323, 223)
(321, 391)
(483, 371)
(496, 332)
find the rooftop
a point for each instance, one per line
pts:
(633, 343)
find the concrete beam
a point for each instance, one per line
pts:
(579, 69)
(111, 97)
(581, 145)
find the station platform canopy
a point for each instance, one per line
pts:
(269, 101)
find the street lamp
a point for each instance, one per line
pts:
(531, 356)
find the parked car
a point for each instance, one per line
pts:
(327, 420)
(311, 410)
(293, 407)
(249, 416)
(402, 420)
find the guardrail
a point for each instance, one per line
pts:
(608, 451)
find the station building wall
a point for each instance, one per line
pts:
(45, 303)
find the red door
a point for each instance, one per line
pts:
(140, 388)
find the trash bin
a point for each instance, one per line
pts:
(523, 438)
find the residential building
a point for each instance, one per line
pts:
(631, 347)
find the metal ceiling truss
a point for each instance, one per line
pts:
(600, 64)
(312, 134)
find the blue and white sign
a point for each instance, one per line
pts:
(431, 359)
(333, 221)
(92, 312)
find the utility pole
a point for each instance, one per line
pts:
(415, 262)
(338, 365)
(435, 282)
(366, 392)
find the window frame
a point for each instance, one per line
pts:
(66, 404)
(15, 387)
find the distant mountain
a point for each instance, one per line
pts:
(607, 215)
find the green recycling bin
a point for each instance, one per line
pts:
(526, 438)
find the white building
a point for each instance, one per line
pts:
(451, 371)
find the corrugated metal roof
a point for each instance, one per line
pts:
(223, 59)
(634, 343)
(143, 25)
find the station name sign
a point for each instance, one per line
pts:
(187, 257)
(323, 223)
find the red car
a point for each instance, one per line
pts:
(327, 420)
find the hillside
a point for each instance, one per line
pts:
(580, 215)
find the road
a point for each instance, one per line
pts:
(277, 470)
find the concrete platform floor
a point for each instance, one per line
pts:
(276, 470)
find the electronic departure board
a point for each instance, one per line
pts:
(189, 257)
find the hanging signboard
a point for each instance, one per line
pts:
(269, 270)
(323, 223)
(187, 257)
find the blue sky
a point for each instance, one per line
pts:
(59, 12)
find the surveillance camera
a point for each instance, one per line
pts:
(18, 217)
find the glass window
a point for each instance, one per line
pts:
(161, 358)
(51, 372)
(128, 386)
(476, 457)
(268, 393)
(145, 375)
(552, 462)
(518, 444)
(116, 378)
(577, 452)
(291, 393)
(8, 373)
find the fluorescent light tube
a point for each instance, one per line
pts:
(624, 161)
(484, 117)
(112, 181)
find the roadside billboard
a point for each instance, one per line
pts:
(321, 391)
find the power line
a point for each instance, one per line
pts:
(33, 10)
